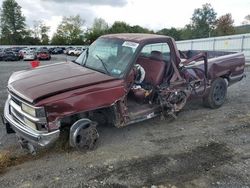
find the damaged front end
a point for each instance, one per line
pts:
(15, 120)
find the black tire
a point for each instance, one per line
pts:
(216, 96)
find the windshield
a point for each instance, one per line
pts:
(109, 56)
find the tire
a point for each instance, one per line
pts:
(71, 54)
(216, 96)
(83, 135)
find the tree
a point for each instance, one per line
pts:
(35, 30)
(99, 24)
(120, 27)
(99, 27)
(44, 36)
(40, 32)
(139, 29)
(246, 20)
(186, 32)
(224, 25)
(12, 23)
(172, 32)
(123, 27)
(69, 31)
(58, 40)
(0, 24)
(203, 21)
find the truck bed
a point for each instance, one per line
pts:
(220, 64)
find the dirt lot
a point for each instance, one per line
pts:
(202, 148)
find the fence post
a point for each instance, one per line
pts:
(214, 44)
(242, 43)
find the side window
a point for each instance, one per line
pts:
(161, 47)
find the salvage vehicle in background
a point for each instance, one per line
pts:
(76, 51)
(43, 55)
(57, 51)
(120, 79)
(10, 56)
(67, 49)
(1, 54)
(29, 55)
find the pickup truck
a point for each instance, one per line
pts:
(120, 79)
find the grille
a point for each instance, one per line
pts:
(19, 115)
(19, 103)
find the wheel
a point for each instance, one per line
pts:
(217, 94)
(71, 53)
(84, 136)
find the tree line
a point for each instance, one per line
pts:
(14, 30)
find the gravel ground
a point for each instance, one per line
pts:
(201, 148)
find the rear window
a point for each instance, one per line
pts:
(161, 47)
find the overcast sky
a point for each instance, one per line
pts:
(153, 14)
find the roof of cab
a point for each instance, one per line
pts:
(136, 37)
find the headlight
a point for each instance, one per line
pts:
(30, 123)
(29, 110)
(35, 112)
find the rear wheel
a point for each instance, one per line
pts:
(217, 94)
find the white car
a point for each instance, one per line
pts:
(29, 55)
(76, 51)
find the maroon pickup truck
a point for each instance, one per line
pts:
(120, 79)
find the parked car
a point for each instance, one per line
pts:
(1, 54)
(23, 51)
(51, 50)
(29, 55)
(119, 80)
(76, 51)
(10, 56)
(43, 55)
(67, 50)
(44, 48)
(57, 51)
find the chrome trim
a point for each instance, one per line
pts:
(31, 135)
(17, 117)
(19, 110)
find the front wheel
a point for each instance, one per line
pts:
(83, 135)
(216, 96)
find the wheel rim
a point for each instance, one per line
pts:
(219, 93)
(86, 138)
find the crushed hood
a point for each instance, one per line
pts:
(49, 80)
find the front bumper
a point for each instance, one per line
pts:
(25, 132)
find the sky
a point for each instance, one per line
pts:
(153, 14)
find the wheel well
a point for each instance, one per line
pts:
(103, 116)
(226, 78)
